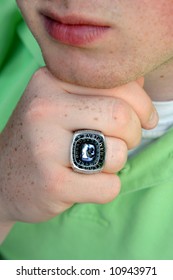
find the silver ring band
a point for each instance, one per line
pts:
(88, 151)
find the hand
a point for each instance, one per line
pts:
(37, 181)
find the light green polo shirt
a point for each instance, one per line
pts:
(20, 57)
(138, 224)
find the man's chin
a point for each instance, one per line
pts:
(90, 80)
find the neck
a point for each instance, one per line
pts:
(159, 83)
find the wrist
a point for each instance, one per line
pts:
(5, 229)
(6, 224)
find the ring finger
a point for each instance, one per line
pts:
(116, 151)
(113, 116)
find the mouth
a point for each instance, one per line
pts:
(74, 30)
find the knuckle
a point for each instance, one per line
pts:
(40, 83)
(116, 156)
(37, 81)
(116, 190)
(41, 108)
(37, 109)
(113, 189)
(119, 112)
(39, 74)
(126, 123)
(121, 155)
(136, 136)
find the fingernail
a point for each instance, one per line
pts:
(153, 120)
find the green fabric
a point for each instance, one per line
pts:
(138, 224)
(19, 58)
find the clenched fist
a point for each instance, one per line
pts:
(36, 179)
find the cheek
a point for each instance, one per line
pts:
(164, 13)
(28, 9)
(21, 4)
(149, 28)
(149, 16)
(160, 17)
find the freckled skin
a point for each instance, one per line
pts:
(36, 181)
(140, 40)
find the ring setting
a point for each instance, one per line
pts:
(88, 150)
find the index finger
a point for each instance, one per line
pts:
(132, 93)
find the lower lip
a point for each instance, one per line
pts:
(75, 35)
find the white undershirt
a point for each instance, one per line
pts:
(165, 112)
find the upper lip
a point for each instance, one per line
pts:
(73, 19)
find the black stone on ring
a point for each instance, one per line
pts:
(88, 150)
